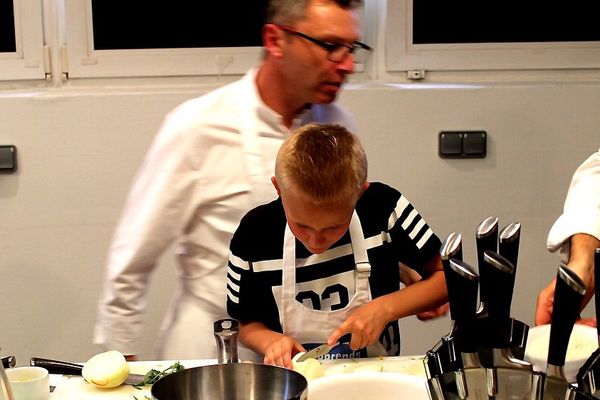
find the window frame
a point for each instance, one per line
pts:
(28, 61)
(403, 55)
(84, 62)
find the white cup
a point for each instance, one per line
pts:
(29, 383)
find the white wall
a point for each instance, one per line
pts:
(79, 148)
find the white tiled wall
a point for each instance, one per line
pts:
(78, 150)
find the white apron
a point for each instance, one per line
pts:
(313, 327)
(187, 331)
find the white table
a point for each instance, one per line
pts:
(75, 388)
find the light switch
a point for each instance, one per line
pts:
(8, 158)
(450, 144)
(462, 144)
(474, 144)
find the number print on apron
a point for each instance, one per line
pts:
(313, 327)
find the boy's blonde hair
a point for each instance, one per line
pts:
(324, 161)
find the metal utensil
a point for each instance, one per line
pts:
(508, 247)
(510, 377)
(588, 377)
(463, 284)
(316, 352)
(443, 362)
(9, 361)
(568, 295)
(448, 356)
(231, 380)
(486, 239)
(69, 368)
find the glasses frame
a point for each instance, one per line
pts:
(329, 47)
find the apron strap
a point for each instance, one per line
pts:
(359, 248)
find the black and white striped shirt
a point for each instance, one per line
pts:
(395, 233)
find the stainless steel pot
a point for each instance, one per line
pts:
(239, 381)
(231, 380)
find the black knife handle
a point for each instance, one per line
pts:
(568, 295)
(486, 239)
(451, 248)
(9, 361)
(463, 283)
(508, 247)
(56, 366)
(501, 274)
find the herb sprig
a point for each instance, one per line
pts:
(154, 375)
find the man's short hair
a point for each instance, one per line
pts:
(288, 12)
(324, 161)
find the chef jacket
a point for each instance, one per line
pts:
(210, 163)
(581, 212)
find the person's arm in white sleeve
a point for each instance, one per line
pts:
(155, 214)
(576, 233)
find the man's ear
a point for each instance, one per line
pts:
(276, 185)
(272, 39)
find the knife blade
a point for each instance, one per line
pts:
(68, 368)
(316, 352)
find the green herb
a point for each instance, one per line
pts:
(154, 375)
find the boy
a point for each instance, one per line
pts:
(323, 260)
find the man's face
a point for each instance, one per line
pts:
(312, 77)
(316, 226)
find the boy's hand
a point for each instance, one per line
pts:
(365, 324)
(281, 351)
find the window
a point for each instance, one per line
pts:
(471, 35)
(7, 27)
(21, 40)
(140, 38)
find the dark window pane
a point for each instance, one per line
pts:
(503, 21)
(7, 27)
(142, 24)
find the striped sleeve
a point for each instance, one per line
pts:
(236, 268)
(413, 238)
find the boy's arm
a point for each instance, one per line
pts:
(277, 348)
(408, 276)
(367, 322)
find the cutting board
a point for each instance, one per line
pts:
(75, 388)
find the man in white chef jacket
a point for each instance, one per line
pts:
(210, 163)
(576, 234)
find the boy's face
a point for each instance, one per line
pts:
(316, 226)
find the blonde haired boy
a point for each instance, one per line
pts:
(323, 260)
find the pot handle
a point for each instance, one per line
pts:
(226, 333)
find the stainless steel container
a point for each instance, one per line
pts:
(231, 380)
(239, 381)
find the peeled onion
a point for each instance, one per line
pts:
(310, 368)
(106, 370)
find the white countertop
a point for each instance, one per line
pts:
(75, 388)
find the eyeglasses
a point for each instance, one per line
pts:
(336, 52)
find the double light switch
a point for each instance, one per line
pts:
(463, 144)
